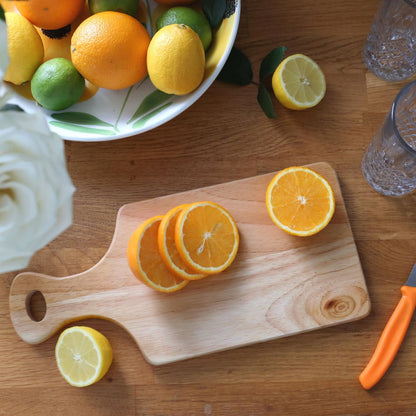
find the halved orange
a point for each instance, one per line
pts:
(145, 261)
(167, 246)
(206, 237)
(300, 201)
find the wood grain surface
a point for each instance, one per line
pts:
(279, 285)
(225, 136)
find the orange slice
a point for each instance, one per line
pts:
(206, 237)
(300, 201)
(167, 246)
(145, 261)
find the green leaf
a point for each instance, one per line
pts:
(150, 102)
(142, 121)
(214, 10)
(76, 117)
(1, 13)
(11, 107)
(237, 69)
(271, 62)
(82, 129)
(265, 101)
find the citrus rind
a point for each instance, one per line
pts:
(182, 246)
(79, 365)
(299, 83)
(174, 267)
(271, 208)
(133, 257)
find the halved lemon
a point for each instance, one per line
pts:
(83, 355)
(206, 237)
(298, 82)
(300, 201)
(145, 261)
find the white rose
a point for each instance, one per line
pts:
(35, 188)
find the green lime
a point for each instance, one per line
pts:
(190, 17)
(123, 6)
(57, 85)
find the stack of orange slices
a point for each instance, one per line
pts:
(189, 242)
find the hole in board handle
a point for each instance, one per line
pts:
(36, 305)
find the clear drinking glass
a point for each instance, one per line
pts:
(390, 49)
(389, 164)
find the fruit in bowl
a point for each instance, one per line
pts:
(109, 49)
(176, 59)
(116, 106)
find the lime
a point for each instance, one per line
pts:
(123, 6)
(190, 17)
(57, 85)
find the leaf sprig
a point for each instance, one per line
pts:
(238, 70)
(214, 11)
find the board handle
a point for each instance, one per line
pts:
(65, 300)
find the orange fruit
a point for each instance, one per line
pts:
(145, 261)
(59, 44)
(109, 49)
(167, 246)
(206, 237)
(50, 14)
(300, 201)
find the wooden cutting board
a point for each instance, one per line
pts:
(278, 285)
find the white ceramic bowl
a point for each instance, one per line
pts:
(112, 114)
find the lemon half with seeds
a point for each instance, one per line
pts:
(298, 82)
(83, 355)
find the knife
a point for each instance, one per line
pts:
(392, 335)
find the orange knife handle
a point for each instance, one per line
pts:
(390, 339)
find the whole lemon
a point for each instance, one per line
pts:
(25, 49)
(176, 59)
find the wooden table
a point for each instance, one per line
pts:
(225, 136)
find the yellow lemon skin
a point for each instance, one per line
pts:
(83, 355)
(176, 60)
(25, 49)
(298, 82)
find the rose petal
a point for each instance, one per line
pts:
(8, 213)
(36, 189)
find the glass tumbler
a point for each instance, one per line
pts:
(390, 49)
(389, 164)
